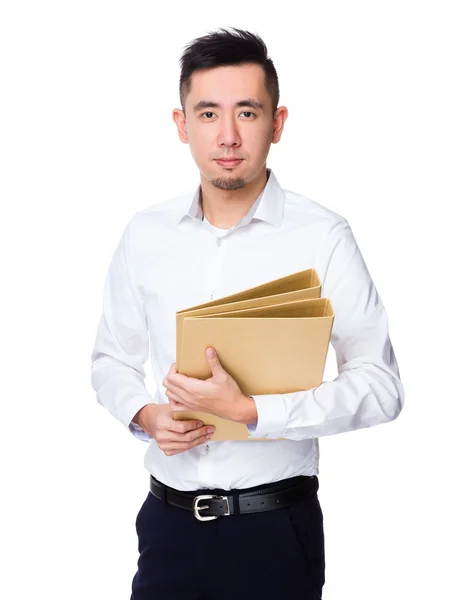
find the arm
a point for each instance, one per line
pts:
(122, 345)
(367, 390)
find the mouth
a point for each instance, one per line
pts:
(229, 163)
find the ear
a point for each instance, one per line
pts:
(280, 117)
(180, 121)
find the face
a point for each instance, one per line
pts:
(228, 114)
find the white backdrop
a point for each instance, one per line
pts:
(87, 140)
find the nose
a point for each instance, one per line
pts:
(229, 134)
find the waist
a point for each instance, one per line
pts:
(234, 465)
(272, 486)
(210, 504)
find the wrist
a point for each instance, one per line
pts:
(145, 416)
(248, 411)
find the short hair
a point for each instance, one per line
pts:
(222, 48)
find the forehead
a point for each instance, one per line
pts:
(228, 83)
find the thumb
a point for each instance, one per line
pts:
(212, 361)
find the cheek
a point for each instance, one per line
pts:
(258, 141)
(199, 137)
(200, 146)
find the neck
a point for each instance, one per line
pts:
(225, 208)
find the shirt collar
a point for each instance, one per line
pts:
(268, 206)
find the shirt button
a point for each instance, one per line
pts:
(206, 449)
(218, 241)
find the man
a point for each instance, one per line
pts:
(264, 531)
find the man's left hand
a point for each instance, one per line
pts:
(219, 395)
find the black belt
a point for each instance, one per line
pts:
(250, 500)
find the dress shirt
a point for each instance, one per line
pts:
(169, 258)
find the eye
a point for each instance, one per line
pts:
(210, 113)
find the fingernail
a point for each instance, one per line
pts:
(210, 429)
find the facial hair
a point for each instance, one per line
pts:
(230, 183)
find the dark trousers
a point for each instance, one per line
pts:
(274, 555)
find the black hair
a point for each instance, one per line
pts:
(222, 47)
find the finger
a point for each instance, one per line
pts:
(178, 406)
(176, 401)
(174, 386)
(172, 395)
(172, 448)
(169, 436)
(183, 427)
(184, 445)
(172, 369)
(175, 389)
(182, 380)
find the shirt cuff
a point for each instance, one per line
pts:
(271, 416)
(127, 412)
(137, 427)
(139, 433)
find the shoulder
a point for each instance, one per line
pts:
(168, 206)
(160, 213)
(306, 210)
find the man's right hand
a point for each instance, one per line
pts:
(172, 437)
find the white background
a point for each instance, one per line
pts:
(87, 140)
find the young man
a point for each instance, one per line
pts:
(264, 536)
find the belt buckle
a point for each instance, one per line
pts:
(197, 508)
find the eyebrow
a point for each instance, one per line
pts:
(241, 103)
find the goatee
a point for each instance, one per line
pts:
(225, 183)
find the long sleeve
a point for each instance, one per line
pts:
(122, 343)
(367, 390)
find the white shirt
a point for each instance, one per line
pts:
(169, 259)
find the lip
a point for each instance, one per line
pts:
(229, 163)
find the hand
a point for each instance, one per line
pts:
(219, 395)
(172, 437)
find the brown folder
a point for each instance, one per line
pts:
(278, 347)
(301, 285)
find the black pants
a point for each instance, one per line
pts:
(274, 555)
